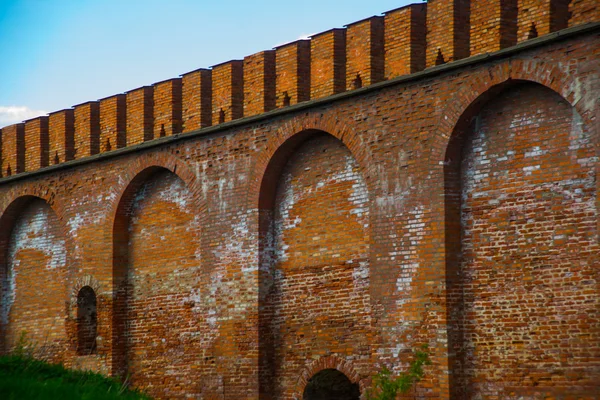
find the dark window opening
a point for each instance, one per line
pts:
(221, 116)
(331, 384)
(87, 321)
(107, 146)
(163, 133)
(56, 159)
(533, 33)
(286, 99)
(440, 58)
(357, 84)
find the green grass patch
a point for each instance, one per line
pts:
(28, 378)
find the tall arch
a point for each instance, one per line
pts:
(521, 245)
(156, 268)
(33, 272)
(314, 260)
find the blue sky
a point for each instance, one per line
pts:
(58, 53)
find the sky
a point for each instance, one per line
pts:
(58, 53)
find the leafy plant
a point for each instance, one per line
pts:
(386, 387)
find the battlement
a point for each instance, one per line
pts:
(402, 41)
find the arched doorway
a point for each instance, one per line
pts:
(330, 384)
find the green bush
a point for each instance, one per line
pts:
(385, 387)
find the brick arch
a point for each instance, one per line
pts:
(11, 206)
(142, 166)
(479, 89)
(296, 127)
(327, 362)
(77, 285)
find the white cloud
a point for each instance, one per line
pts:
(301, 37)
(12, 114)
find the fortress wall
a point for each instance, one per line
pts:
(404, 41)
(398, 136)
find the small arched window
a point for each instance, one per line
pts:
(87, 321)
(331, 384)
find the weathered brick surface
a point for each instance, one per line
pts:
(61, 131)
(457, 209)
(405, 30)
(197, 99)
(583, 11)
(292, 73)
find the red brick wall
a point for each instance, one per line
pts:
(539, 17)
(140, 118)
(529, 245)
(583, 11)
(167, 107)
(160, 346)
(34, 289)
(87, 129)
(447, 31)
(315, 250)
(493, 25)
(227, 91)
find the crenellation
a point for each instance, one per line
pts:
(61, 132)
(327, 63)
(293, 73)
(140, 118)
(259, 83)
(197, 99)
(167, 107)
(13, 149)
(227, 91)
(364, 52)
(87, 129)
(36, 143)
(405, 40)
(113, 122)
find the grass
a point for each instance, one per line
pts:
(24, 377)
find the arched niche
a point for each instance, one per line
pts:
(33, 260)
(521, 243)
(314, 262)
(156, 268)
